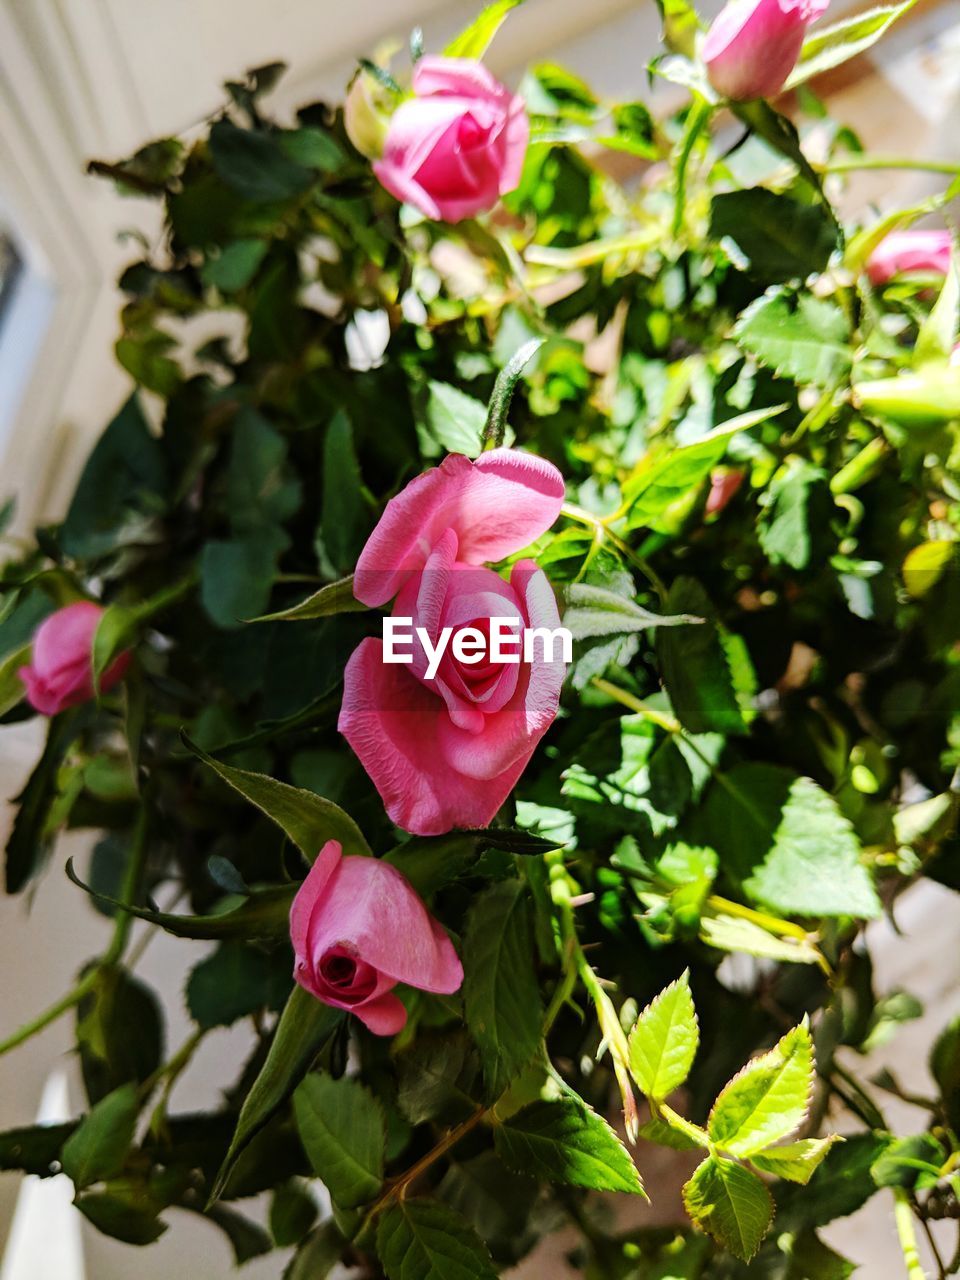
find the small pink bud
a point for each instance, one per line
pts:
(723, 487)
(915, 251)
(753, 45)
(60, 674)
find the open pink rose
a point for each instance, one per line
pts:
(910, 251)
(753, 45)
(455, 147)
(60, 674)
(358, 929)
(445, 750)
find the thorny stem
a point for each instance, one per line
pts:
(121, 932)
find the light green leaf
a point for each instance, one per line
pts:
(767, 1100)
(308, 819)
(797, 336)
(475, 39)
(828, 47)
(663, 1044)
(455, 420)
(424, 1240)
(797, 1161)
(797, 514)
(787, 843)
(734, 933)
(343, 1131)
(937, 336)
(97, 1150)
(564, 1141)
(596, 611)
(11, 686)
(337, 597)
(501, 995)
(731, 1204)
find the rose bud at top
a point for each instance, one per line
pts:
(724, 485)
(445, 750)
(358, 928)
(60, 674)
(914, 251)
(753, 45)
(458, 144)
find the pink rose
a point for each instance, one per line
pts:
(456, 146)
(61, 671)
(724, 486)
(445, 750)
(358, 929)
(910, 251)
(753, 45)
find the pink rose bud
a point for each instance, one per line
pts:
(455, 147)
(358, 928)
(60, 674)
(753, 45)
(724, 485)
(445, 750)
(905, 252)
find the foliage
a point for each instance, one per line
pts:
(757, 742)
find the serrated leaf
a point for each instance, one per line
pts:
(343, 1131)
(708, 691)
(336, 597)
(455, 419)
(811, 1259)
(780, 238)
(731, 1204)
(564, 1141)
(767, 1100)
(735, 933)
(97, 1150)
(595, 611)
(828, 47)
(345, 518)
(424, 1240)
(308, 819)
(501, 995)
(797, 516)
(663, 1044)
(785, 841)
(797, 1161)
(797, 336)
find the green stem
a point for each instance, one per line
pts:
(855, 164)
(903, 1216)
(43, 1020)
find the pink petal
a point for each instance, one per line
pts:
(384, 1015)
(66, 638)
(310, 892)
(463, 77)
(496, 505)
(752, 46)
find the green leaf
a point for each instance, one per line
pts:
(767, 1100)
(430, 862)
(318, 1255)
(313, 148)
(121, 490)
(345, 521)
(945, 1068)
(98, 1149)
(731, 1204)
(306, 818)
(109, 1055)
(234, 982)
(335, 598)
(237, 576)
(123, 1213)
(455, 420)
(709, 681)
(343, 1131)
(798, 336)
(144, 355)
(437, 1078)
(795, 524)
(293, 1211)
(564, 1141)
(734, 933)
(839, 1187)
(11, 686)
(662, 479)
(797, 1161)
(663, 1044)
(779, 237)
(35, 1149)
(595, 611)
(913, 1162)
(474, 40)
(235, 266)
(424, 1240)
(500, 990)
(811, 1259)
(254, 164)
(247, 1239)
(828, 47)
(937, 335)
(787, 843)
(304, 1028)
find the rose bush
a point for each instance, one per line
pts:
(653, 392)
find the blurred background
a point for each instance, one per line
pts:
(98, 78)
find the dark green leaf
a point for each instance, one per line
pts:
(255, 164)
(343, 1131)
(98, 1149)
(780, 238)
(109, 1055)
(337, 597)
(235, 266)
(424, 1240)
(345, 522)
(35, 1149)
(796, 519)
(236, 981)
(293, 1211)
(123, 1214)
(731, 1204)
